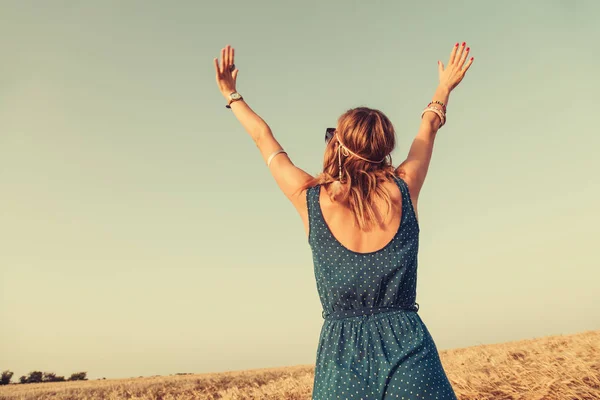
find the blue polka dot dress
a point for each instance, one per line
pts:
(373, 343)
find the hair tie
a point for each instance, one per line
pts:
(353, 153)
(346, 151)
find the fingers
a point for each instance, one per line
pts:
(463, 58)
(459, 52)
(440, 68)
(227, 56)
(217, 67)
(453, 54)
(232, 56)
(466, 67)
(223, 59)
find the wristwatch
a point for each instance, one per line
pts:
(235, 96)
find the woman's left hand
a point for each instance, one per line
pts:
(226, 76)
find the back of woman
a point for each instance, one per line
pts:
(380, 278)
(372, 335)
(360, 216)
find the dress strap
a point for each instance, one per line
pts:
(312, 202)
(407, 205)
(402, 185)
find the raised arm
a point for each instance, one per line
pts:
(289, 178)
(414, 169)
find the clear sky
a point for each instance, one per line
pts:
(141, 233)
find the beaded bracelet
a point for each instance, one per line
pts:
(442, 110)
(436, 108)
(438, 102)
(433, 106)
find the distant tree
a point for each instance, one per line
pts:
(23, 379)
(51, 377)
(6, 377)
(48, 376)
(35, 377)
(78, 376)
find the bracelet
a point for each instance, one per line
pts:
(273, 155)
(438, 111)
(441, 110)
(439, 114)
(438, 102)
(437, 108)
(432, 104)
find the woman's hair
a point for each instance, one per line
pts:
(370, 134)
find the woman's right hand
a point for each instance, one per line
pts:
(454, 72)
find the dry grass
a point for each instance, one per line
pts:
(560, 367)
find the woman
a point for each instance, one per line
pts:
(360, 217)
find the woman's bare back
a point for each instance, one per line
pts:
(340, 220)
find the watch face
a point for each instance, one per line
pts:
(235, 96)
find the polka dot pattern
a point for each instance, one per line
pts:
(373, 343)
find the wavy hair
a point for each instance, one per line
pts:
(369, 134)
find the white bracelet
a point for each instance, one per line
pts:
(273, 155)
(436, 110)
(439, 113)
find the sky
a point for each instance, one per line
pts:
(142, 234)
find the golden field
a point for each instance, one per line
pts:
(562, 367)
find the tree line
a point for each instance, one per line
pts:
(39, 376)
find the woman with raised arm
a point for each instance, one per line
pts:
(360, 217)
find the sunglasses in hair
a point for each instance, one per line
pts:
(329, 132)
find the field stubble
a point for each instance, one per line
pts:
(562, 367)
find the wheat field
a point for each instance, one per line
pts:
(562, 367)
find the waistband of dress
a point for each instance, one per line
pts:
(367, 311)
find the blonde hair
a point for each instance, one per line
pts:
(369, 138)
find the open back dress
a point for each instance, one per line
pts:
(373, 343)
